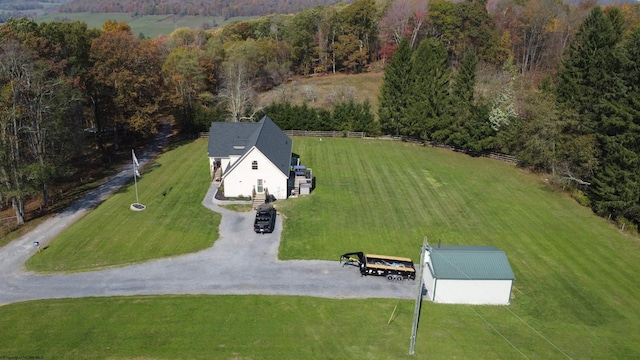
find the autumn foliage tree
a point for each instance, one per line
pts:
(126, 80)
(37, 103)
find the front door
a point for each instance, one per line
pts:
(260, 187)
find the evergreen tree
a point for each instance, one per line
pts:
(325, 120)
(632, 81)
(429, 104)
(588, 74)
(464, 117)
(596, 83)
(351, 116)
(393, 98)
(464, 86)
(615, 187)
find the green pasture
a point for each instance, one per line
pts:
(575, 294)
(151, 25)
(175, 222)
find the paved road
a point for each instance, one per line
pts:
(239, 262)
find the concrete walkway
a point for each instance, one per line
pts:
(239, 262)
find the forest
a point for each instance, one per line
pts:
(554, 84)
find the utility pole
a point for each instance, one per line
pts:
(416, 311)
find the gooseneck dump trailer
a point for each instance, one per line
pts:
(392, 267)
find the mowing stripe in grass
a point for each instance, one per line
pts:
(174, 222)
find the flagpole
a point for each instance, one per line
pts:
(136, 206)
(135, 174)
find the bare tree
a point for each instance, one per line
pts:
(14, 63)
(342, 94)
(237, 90)
(309, 93)
(404, 18)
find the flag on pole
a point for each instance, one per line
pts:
(136, 165)
(135, 159)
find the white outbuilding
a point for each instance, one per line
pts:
(476, 275)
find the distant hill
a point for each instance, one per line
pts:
(27, 8)
(224, 8)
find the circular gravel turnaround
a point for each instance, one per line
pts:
(239, 262)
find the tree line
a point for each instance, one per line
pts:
(583, 127)
(561, 104)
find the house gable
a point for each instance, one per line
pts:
(234, 146)
(233, 140)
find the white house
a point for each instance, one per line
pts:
(478, 275)
(250, 158)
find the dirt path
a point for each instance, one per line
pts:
(239, 262)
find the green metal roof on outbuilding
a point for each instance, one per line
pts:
(470, 263)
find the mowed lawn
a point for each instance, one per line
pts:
(575, 295)
(576, 275)
(174, 222)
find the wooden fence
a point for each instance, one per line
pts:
(349, 134)
(358, 134)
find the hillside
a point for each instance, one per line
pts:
(227, 9)
(326, 90)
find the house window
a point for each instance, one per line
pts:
(254, 165)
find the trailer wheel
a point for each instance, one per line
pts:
(390, 277)
(399, 278)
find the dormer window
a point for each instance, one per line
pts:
(254, 165)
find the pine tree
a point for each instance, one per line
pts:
(429, 107)
(464, 86)
(588, 74)
(596, 83)
(393, 98)
(464, 116)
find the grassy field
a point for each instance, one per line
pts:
(174, 222)
(364, 86)
(575, 294)
(151, 26)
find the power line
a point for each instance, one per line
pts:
(499, 333)
(538, 333)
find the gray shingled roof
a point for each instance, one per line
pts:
(470, 263)
(227, 138)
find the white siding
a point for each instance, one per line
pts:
(473, 292)
(242, 179)
(225, 163)
(429, 281)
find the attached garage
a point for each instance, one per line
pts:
(477, 275)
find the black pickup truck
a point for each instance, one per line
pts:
(265, 219)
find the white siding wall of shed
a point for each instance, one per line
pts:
(242, 179)
(473, 292)
(429, 281)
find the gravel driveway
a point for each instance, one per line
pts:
(239, 262)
